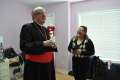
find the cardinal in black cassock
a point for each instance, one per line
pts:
(38, 48)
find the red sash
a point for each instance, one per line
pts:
(41, 58)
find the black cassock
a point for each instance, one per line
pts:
(31, 42)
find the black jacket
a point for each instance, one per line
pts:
(89, 46)
(31, 39)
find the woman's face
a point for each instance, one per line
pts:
(81, 32)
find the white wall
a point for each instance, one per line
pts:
(61, 33)
(13, 15)
(90, 5)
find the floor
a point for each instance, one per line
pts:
(61, 76)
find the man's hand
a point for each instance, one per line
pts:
(49, 43)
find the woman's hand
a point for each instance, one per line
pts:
(76, 51)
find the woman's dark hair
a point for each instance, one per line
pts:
(85, 28)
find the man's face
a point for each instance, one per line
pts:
(41, 18)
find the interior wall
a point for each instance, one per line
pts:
(13, 14)
(61, 34)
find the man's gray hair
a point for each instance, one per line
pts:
(38, 10)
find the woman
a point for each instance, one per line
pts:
(82, 48)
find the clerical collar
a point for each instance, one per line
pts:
(38, 23)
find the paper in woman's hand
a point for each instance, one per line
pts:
(76, 51)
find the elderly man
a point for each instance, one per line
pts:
(38, 48)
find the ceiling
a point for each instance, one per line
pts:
(44, 2)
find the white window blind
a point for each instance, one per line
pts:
(104, 30)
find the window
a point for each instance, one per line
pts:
(104, 30)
